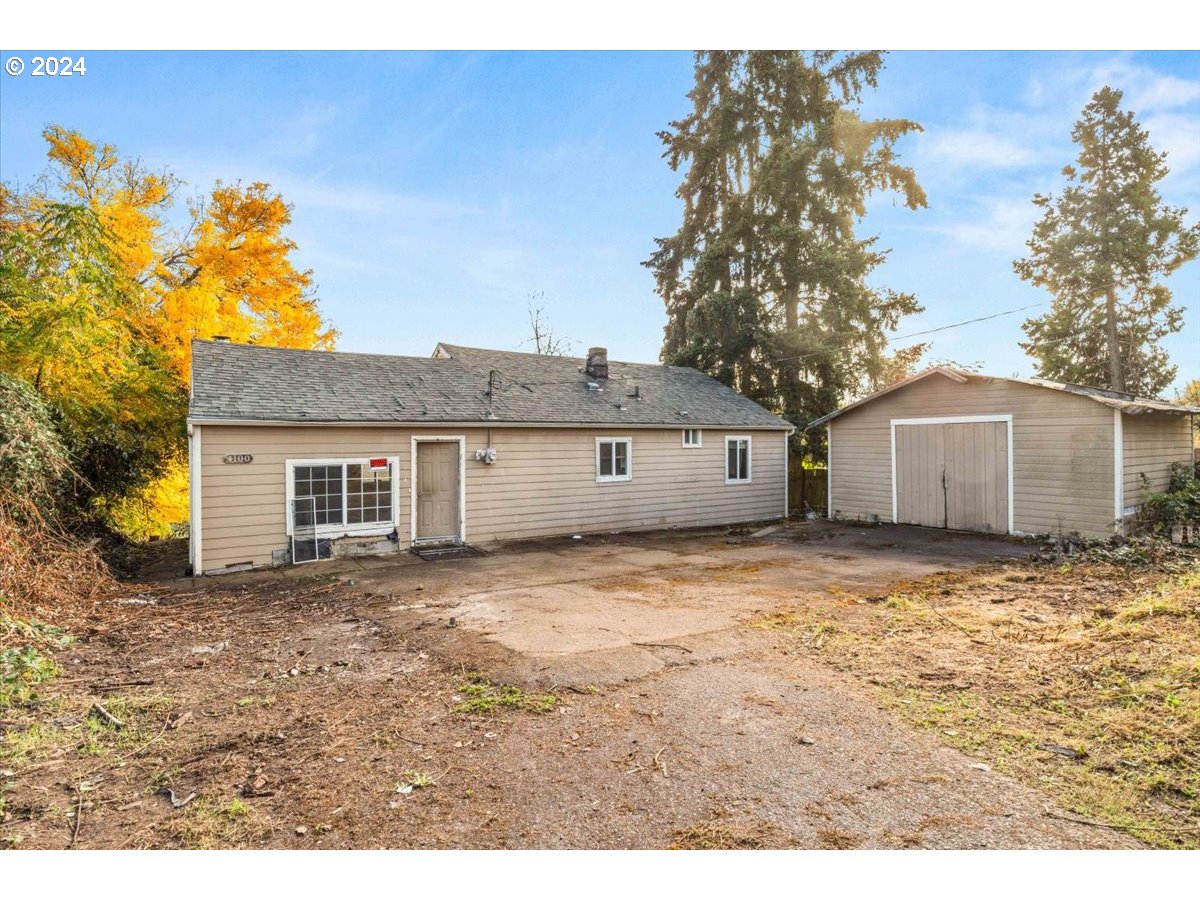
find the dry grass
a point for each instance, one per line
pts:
(720, 834)
(208, 825)
(45, 573)
(835, 839)
(1082, 680)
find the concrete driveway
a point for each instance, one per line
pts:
(604, 609)
(679, 712)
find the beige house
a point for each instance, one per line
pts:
(300, 455)
(959, 450)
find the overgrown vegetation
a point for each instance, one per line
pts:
(33, 459)
(24, 663)
(1083, 680)
(100, 297)
(1179, 504)
(482, 695)
(42, 566)
(74, 724)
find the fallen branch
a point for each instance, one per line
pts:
(659, 762)
(99, 711)
(78, 816)
(668, 646)
(176, 802)
(105, 687)
(1175, 829)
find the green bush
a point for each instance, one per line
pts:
(1179, 504)
(33, 459)
(24, 667)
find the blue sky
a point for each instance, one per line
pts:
(434, 192)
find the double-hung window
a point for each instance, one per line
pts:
(614, 459)
(342, 496)
(737, 459)
(692, 437)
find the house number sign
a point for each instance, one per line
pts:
(234, 459)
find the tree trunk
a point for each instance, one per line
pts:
(1116, 378)
(791, 313)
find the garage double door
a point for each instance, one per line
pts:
(952, 474)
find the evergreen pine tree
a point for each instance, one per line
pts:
(1101, 248)
(765, 282)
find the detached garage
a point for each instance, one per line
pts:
(971, 452)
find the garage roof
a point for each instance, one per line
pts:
(1117, 400)
(247, 383)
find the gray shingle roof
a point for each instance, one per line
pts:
(250, 383)
(1127, 403)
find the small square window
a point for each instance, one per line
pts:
(614, 457)
(692, 437)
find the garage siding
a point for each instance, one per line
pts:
(1152, 442)
(1062, 452)
(542, 483)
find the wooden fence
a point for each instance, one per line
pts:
(807, 489)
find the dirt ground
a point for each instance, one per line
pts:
(614, 691)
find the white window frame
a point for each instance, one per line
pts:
(1006, 418)
(628, 476)
(699, 438)
(342, 529)
(749, 459)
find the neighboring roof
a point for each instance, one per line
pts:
(243, 382)
(1116, 399)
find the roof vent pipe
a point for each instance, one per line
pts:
(597, 362)
(221, 338)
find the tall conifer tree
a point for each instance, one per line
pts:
(765, 282)
(1101, 248)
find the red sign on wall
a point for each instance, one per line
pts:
(378, 465)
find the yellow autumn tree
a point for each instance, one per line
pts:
(236, 278)
(1190, 395)
(102, 298)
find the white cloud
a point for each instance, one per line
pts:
(1146, 90)
(978, 148)
(1179, 136)
(1004, 226)
(302, 134)
(1165, 92)
(308, 193)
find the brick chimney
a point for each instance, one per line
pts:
(597, 362)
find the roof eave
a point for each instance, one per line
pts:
(478, 423)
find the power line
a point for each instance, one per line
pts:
(1007, 312)
(529, 385)
(905, 337)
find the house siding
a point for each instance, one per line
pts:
(543, 482)
(1063, 456)
(1152, 443)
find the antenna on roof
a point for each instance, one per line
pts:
(491, 390)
